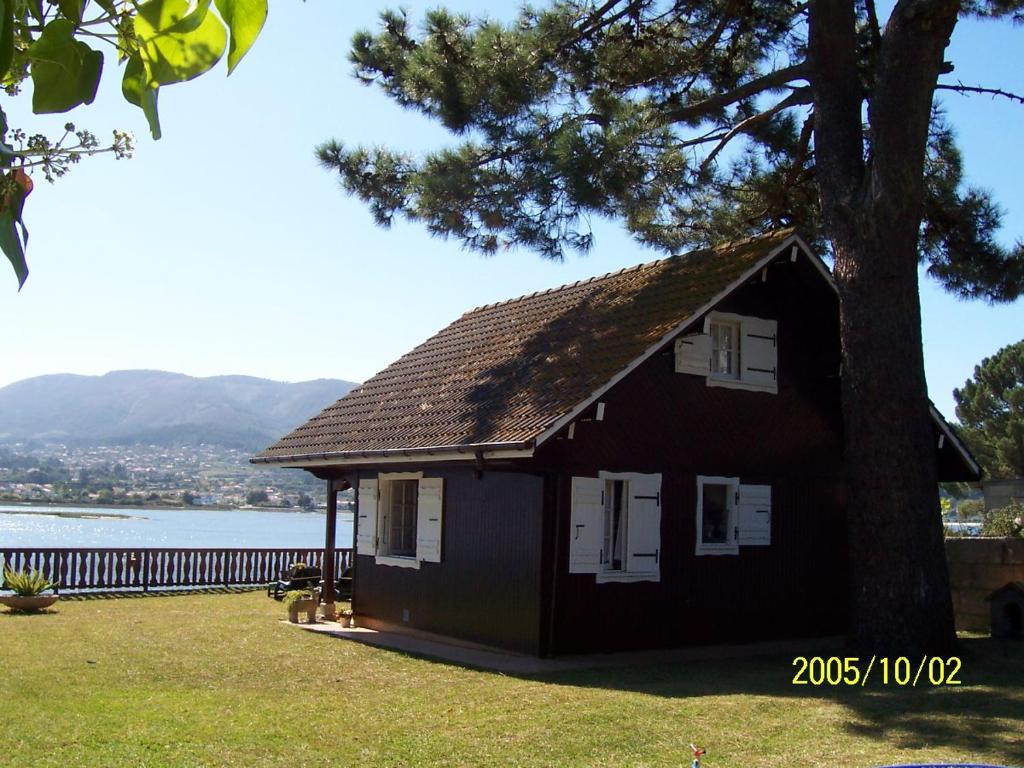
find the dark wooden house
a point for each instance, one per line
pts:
(645, 459)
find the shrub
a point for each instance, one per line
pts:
(26, 583)
(970, 509)
(1006, 522)
(295, 595)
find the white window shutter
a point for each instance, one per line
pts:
(429, 503)
(693, 354)
(754, 515)
(586, 533)
(366, 532)
(644, 520)
(759, 353)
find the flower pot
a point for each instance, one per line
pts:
(304, 606)
(28, 603)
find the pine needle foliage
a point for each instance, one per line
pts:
(990, 405)
(689, 121)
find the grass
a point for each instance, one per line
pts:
(216, 680)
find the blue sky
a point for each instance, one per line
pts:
(224, 248)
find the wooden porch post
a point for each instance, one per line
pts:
(328, 561)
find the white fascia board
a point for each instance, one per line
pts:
(793, 241)
(415, 457)
(953, 439)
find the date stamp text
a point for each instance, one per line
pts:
(856, 670)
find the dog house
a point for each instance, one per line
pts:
(1008, 611)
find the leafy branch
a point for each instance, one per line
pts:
(56, 158)
(158, 42)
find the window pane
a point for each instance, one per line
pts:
(715, 515)
(723, 349)
(402, 518)
(614, 548)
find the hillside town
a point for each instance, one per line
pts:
(150, 475)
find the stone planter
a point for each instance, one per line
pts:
(28, 603)
(303, 606)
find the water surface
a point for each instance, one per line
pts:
(55, 526)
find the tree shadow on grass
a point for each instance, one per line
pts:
(970, 717)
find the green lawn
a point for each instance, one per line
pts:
(212, 680)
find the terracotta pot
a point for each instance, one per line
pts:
(32, 603)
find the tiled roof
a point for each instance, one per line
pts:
(504, 373)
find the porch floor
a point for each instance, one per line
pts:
(454, 651)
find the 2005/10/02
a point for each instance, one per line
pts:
(854, 670)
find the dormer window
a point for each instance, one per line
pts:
(735, 351)
(725, 349)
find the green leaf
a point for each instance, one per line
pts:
(11, 206)
(65, 71)
(176, 45)
(10, 243)
(72, 9)
(245, 20)
(136, 89)
(6, 38)
(35, 7)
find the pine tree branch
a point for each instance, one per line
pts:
(708, 45)
(596, 22)
(806, 132)
(799, 96)
(693, 113)
(967, 89)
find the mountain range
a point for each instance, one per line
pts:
(161, 408)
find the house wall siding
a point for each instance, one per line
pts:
(486, 588)
(656, 420)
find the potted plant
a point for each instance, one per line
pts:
(347, 619)
(301, 600)
(28, 587)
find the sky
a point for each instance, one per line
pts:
(224, 248)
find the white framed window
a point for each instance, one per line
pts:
(725, 349)
(731, 514)
(615, 527)
(716, 515)
(400, 517)
(616, 512)
(735, 351)
(397, 517)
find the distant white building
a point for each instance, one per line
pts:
(1000, 493)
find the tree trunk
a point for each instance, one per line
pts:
(900, 596)
(872, 208)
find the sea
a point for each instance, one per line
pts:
(56, 526)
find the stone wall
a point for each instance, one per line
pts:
(978, 567)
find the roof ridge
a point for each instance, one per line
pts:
(782, 232)
(479, 375)
(634, 268)
(581, 281)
